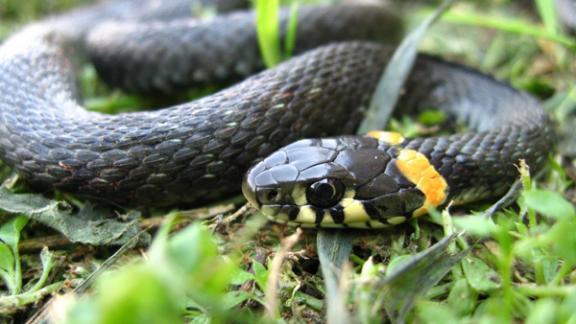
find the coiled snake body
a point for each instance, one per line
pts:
(198, 151)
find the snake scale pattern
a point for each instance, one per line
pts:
(199, 150)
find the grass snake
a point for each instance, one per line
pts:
(199, 150)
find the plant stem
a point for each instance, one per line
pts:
(546, 291)
(8, 303)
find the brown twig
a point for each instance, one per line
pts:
(271, 299)
(38, 243)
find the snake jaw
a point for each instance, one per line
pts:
(248, 190)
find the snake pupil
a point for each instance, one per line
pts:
(325, 193)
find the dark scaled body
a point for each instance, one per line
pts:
(506, 126)
(198, 151)
(194, 151)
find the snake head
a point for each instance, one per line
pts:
(347, 181)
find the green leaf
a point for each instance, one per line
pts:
(543, 311)
(10, 231)
(566, 312)
(477, 225)
(462, 298)
(191, 248)
(234, 298)
(435, 313)
(10, 234)
(192, 262)
(490, 311)
(260, 274)
(241, 277)
(96, 226)
(545, 265)
(159, 246)
(479, 275)
(396, 262)
(561, 237)
(414, 277)
(549, 203)
(6, 259)
(136, 294)
(432, 117)
(7, 264)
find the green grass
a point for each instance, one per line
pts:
(517, 266)
(269, 33)
(512, 25)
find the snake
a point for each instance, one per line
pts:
(281, 135)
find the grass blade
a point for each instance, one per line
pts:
(415, 276)
(395, 74)
(291, 30)
(511, 25)
(268, 29)
(334, 248)
(548, 14)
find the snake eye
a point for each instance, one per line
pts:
(325, 193)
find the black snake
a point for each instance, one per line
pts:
(199, 151)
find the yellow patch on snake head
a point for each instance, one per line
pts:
(417, 168)
(392, 138)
